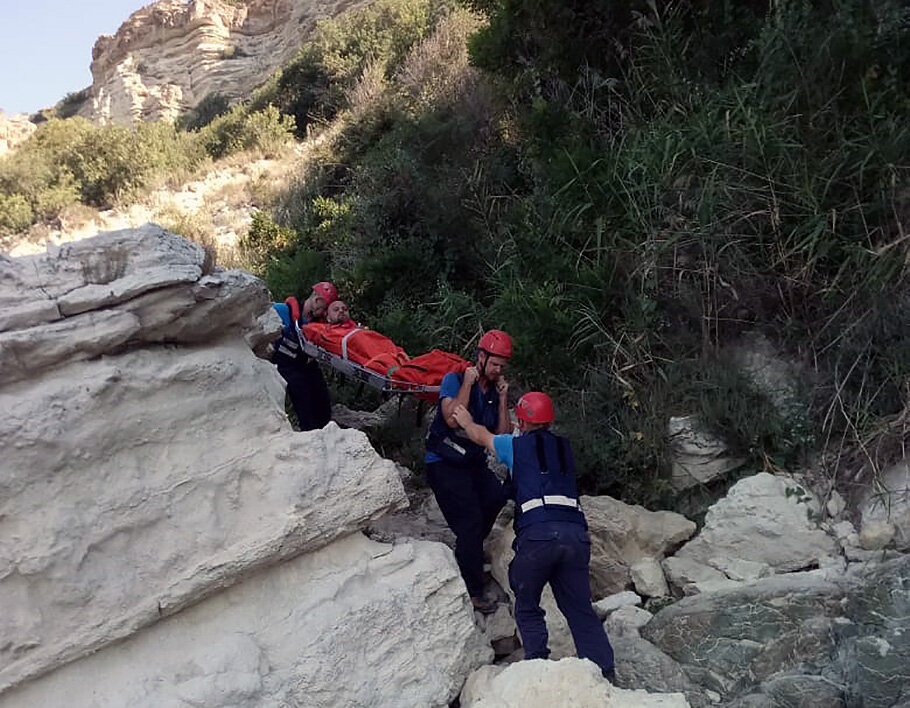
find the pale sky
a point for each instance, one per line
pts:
(46, 47)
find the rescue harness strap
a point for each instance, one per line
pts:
(542, 458)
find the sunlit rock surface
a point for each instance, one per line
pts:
(164, 531)
(169, 55)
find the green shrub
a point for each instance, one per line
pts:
(268, 131)
(314, 87)
(71, 160)
(15, 213)
(648, 193)
(207, 110)
(264, 239)
(70, 104)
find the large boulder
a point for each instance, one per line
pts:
(642, 665)
(147, 466)
(766, 524)
(886, 509)
(539, 683)
(357, 623)
(784, 634)
(697, 456)
(623, 535)
(120, 290)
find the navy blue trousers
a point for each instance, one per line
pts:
(558, 553)
(308, 392)
(470, 499)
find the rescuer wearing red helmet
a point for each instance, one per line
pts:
(470, 496)
(305, 385)
(551, 536)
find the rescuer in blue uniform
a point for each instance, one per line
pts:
(468, 493)
(551, 535)
(305, 384)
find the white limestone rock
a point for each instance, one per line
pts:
(104, 270)
(539, 683)
(835, 505)
(844, 531)
(133, 486)
(169, 55)
(876, 534)
(697, 456)
(626, 621)
(648, 578)
(692, 577)
(764, 519)
(356, 623)
(741, 570)
(623, 534)
(14, 130)
(605, 606)
(888, 503)
(499, 625)
(117, 290)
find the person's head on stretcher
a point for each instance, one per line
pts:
(316, 305)
(338, 314)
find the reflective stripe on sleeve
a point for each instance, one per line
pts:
(550, 500)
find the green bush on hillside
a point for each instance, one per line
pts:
(314, 87)
(207, 110)
(15, 213)
(266, 130)
(71, 160)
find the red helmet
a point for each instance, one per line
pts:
(534, 407)
(497, 343)
(326, 291)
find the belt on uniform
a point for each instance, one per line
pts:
(550, 500)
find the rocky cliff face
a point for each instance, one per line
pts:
(14, 130)
(164, 531)
(171, 54)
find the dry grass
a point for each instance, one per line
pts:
(437, 71)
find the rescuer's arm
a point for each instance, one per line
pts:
(504, 425)
(464, 395)
(477, 433)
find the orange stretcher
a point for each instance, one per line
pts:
(373, 359)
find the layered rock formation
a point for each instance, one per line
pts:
(163, 530)
(14, 130)
(171, 54)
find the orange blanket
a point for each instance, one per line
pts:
(429, 368)
(380, 354)
(362, 346)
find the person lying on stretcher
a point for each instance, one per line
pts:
(337, 314)
(341, 335)
(344, 337)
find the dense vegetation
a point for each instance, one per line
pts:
(635, 191)
(640, 192)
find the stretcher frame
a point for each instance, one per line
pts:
(361, 374)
